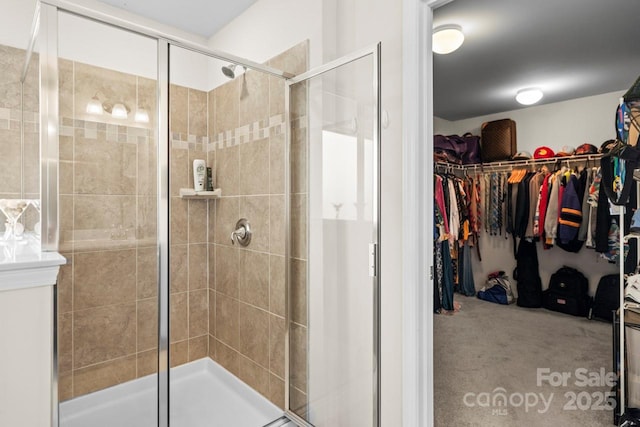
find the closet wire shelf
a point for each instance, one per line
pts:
(509, 164)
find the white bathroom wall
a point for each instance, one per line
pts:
(335, 28)
(573, 122)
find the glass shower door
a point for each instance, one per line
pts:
(333, 279)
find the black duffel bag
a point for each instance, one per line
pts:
(568, 293)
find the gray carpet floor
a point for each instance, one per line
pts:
(487, 346)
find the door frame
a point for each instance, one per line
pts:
(417, 212)
(375, 52)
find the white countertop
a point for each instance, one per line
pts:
(24, 265)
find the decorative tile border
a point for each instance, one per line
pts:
(10, 119)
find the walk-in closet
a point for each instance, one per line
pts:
(509, 229)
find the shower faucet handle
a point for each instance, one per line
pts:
(242, 233)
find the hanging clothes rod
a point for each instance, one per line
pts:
(510, 164)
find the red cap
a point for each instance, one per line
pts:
(543, 153)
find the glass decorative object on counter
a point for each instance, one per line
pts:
(13, 210)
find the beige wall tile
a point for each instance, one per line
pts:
(227, 270)
(147, 222)
(254, 161)
(198, 313)
(198, 221)
(147, 98)
(9, 161)
(147, 363)
(179, 353)
(277, 226)
(147, 324)
(179, 268)
(254, 278)
(254, 97)
(299, 291)
(254, 375)
(65, 342)
(147, 273)
(298, 359)
(212, 312)
(277, 285)
(227, 98)
(298, 160)
(102, 278)
(179, 109)
(198, 266)
(66, 223)
(12, 62)
(226, 173)
(179, 221)
(179, 320)
(65, 87)
(179, 170)
(104, 217)
(65, 386)
(66, 165)
(254, 334)
(256, 210)
(299, 226)
(227, 215)
(197, 112)
(212, 348)
(227, 357)
(103, 333)
(227, 329)
(147, 166)
(104, 375)
(298, 402)
(198, 347)
(103, 167)
(211, 221)
(276, 164)
(31, 162)
(276, 391)
(65, 285)
(277, 330)
(212, 267)
(211, 113)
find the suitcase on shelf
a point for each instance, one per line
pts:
(498, 139)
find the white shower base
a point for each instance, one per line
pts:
(202, 394)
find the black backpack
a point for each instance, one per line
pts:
(568, 292)
(607, 298)
(527, 275)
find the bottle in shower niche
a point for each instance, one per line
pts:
(199, 174)
(209, 179)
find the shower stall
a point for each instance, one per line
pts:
(253, 303)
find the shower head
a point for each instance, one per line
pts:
(229, 71)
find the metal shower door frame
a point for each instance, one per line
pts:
(374, 52)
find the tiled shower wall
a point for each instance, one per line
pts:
(247, 285)
(107, 301)
(12, 105)
(227, 302)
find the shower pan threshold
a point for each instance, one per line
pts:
(203, 394)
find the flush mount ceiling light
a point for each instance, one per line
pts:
(529, 96)
(447, 38)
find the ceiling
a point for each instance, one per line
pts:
(568, 48)
(201, 17)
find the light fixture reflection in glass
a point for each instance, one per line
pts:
(94, 106)
(141, 116)
(447, 38)
(529, 96)
(119, 111)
